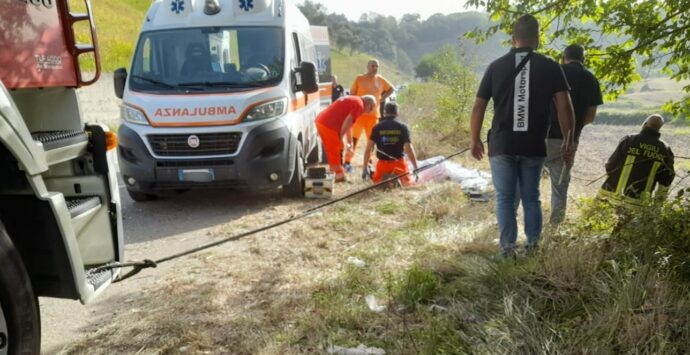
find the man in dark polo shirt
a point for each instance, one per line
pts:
(586, 96)
(522, 85)
(392, 141)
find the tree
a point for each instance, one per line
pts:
(340, 30)
(314, 12)
(618, 35)
(426, 67)
(443, 65)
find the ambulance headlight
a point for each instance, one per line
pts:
(271, 109)
(133, 115)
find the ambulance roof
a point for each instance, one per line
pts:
(167, 14)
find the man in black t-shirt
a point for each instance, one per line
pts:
(586, 96)
(522, 85)
(392, 141)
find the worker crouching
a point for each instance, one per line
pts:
(392, 141)
(335, 122)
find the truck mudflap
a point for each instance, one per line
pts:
(265, 160)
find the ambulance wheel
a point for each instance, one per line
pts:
(139, 196)
(20, 324)
(295, 188)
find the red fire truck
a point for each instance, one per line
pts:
(59, 201)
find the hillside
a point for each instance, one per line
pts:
(347, 67)
(117, 26)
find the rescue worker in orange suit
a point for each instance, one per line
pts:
(392, 141)
(335, 122)
(639, 163)
(374, 84)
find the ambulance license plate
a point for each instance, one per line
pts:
(196, 175)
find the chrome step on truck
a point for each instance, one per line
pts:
(60, 214)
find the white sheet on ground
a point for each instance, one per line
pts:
(473, 181)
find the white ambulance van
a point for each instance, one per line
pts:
(220, 94)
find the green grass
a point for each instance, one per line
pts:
(117, 27)
(581, 294)
(418, 285)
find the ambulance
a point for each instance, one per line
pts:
(220, 94)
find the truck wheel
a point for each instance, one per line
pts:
(296, 186)
(20, 325)
(139, 196)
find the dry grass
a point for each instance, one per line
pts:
(260, 295)
(428, 253)
(428, 262)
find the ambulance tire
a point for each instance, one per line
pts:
(295, 188)
(139, 196)
(20, 323)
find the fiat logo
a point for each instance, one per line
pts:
(193, 141)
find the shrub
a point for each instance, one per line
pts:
(418, 285)
(439, 109)
(659, 236)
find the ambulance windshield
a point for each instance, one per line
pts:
(208, 59)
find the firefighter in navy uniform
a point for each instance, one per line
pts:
(640, 163)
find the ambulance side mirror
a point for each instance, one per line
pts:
(119, 79)
(309, 83)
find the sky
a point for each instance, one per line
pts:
(353, 9)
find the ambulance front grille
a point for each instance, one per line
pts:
(208, 144)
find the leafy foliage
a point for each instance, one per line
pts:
(457, 105)
(444, 100)
(660, 236)
(618, 35)
(596, 217)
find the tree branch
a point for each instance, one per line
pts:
(656, 38)
(548, 7)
